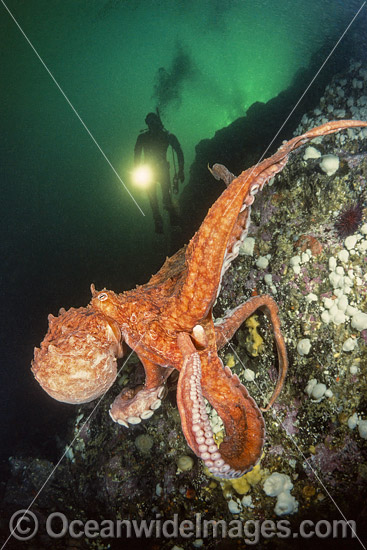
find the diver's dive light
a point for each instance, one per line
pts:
(143, 176)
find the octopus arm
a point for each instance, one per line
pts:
(171, 269)
(226, 329)
(203, 375)
(217, 242)
(133, 405)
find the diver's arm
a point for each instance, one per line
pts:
(173, 141)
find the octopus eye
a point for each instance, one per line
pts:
(102, 297)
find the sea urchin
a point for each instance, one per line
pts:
(349, 219)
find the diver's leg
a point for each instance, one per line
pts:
(167, 200)
(153, 199)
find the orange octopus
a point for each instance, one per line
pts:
(168, 322)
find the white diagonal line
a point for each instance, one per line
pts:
(290, 436)
(254, 167)
(312, 81)
(300, 99)
(72, 107)
(66, 451)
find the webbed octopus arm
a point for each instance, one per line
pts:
(203, 375)
(133, 405)
(221, 172)
(77, 360)
(217, 241)
(225, 329)
(172, 268)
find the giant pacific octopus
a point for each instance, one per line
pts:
(168, 322)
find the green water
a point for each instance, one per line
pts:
(105, 56)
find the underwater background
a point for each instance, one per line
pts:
(225, 75)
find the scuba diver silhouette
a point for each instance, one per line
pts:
(154, 143)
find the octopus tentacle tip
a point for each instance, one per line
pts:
(212, 171)
(268, 407)
(162, 392)
(199, 337)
